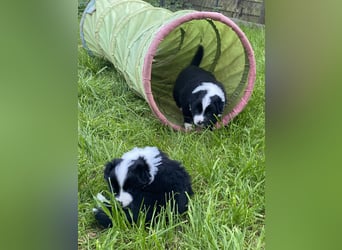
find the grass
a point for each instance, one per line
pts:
(227, 166)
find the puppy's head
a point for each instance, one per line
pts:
(132, 172)
(207, 103)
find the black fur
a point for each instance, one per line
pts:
(191, 103)
(171, 179)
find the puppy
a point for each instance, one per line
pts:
(142, 179)
(199, 95)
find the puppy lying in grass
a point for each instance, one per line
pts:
(142, 179)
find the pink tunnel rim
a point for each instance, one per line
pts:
(164, 31)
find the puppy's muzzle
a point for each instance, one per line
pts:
(124, 198)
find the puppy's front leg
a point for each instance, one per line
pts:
(100, 215)
(187, 118)
(188, 126)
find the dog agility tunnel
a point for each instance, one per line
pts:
(151, 45)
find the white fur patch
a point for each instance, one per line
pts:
(121, 172)
(187, 126)
(153, 159)
(101, 198)
(150, 154)
(124, 198)
(212, 90)
(198, 119)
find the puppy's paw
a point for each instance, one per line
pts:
(188, 126)
(101, 198)
(102, 218)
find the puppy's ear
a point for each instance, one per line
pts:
(110, 166)
(141, 171)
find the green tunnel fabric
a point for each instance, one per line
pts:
(150, 46)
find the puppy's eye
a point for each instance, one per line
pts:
(113, 186)
(199, 108)
(208, 110)
(126, 185)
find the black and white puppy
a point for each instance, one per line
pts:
(198, 94)
(142, 179)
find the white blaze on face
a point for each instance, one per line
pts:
(211, 90)
(153, 159)
(121, 174)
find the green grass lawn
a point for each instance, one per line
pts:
(227, 165)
